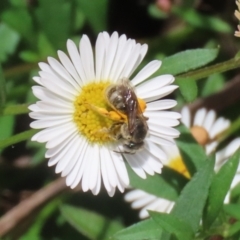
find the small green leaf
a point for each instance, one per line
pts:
(15, 18)
(233, 229)
(17, 138)
(15, 109)
(196, 19)
(173, 225)
(8, 41)
(188, 88)
(89, 223)
(233, 210)
(189, 206)
(155, 12)
(55, 26)
(212, 84)
(220, 186)
(29, 56)
(187, 60)
(6, 126)
(2, 91)
(216, 68)
(34, 232)
(193, 154)
(146, 229)
(167, 185)
(96, 13)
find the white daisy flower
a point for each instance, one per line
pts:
(78, 120)
(222, 157)
(205, 127)
(145, 201)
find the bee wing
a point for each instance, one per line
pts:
(132, 107)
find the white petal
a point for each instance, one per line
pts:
(142, 53)
(100, 54)
(37, 80)
(186, 117)
(76, 60)
(120, 168)
(61, 71)
(68, 129)
(136, 167)
(158, 93)
(116, 69)
(169, 122)
(95, 172)
(154, 83)
(110, 54)
(162, 114)
(48, 96)
(131, 61)
(106, 182)
(209, 120)
(69, 67)
(168, 131)
(75, 164)
(161, 105)
(75, 176)
(121, 59)
(199, 117)
(160, 140)
(219, 126)
(46, 123)
(87, 57)
(146, 72)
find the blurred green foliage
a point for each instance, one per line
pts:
(194, 44)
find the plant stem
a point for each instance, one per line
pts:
(16, 109)
(207, 71)
(17, 138)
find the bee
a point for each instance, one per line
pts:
(122, 98)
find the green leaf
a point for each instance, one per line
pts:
(212, 84)
(2, 91)
(196, 19)
(189, 206)
(217, 68)
(15, 18)
(233, 210)
(6, 126)
(17, 138)
(188, 88)
(96, 13)
(193, 154)
(34, 232)
(220, 186)
(173, 225)
(167, 185)
(233, 229)
(8, 41)
(89, 223)
(55, 26)
(15, 109)
(187, 60)
(155, 12)
(146, 229)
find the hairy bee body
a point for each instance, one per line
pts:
(122, 98)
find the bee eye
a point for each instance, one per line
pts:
(131, 145)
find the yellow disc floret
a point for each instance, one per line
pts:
(90, 123)
(93, 115)
(178, 165)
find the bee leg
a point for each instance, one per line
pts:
(113, 115)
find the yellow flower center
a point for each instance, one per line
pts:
(200, 134)
(178, 165)
(94, 116)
